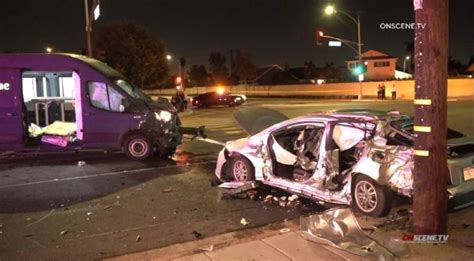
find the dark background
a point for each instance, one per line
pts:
(273, 31)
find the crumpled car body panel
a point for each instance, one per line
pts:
(361, 137)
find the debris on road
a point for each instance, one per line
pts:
(89, 213)
(28, 219)
(402, 219)
(167, 190)
(284, 230)
(81, 163)
(239, 190)
(338, 227)
(207, 249)
(64, 232)
(196, 234)
(138, 239)
(244, 222)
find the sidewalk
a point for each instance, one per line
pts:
(288, 244)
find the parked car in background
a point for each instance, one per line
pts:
(217, 98)
(357, 158)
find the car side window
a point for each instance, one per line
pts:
(105, 97)
(98, 95)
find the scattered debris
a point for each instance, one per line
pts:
(117, 197)
(64, 232)
(400, 220)
(284, 230)
(28, 219)
(138, 239)
(208, 249)
(196, 234)
(28, 235)
(81, 163)
(462, 225)
(339, 227)
(244, 222)
(89, 213)
(154, 218)
(292, 198)
(108, 207)
(167, 190)
(1, 225)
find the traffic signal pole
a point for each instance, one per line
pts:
(430, 172)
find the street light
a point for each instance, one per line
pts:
(330, 10)
(90, 17)
(168, 57)
(405, 62)
(49, 49)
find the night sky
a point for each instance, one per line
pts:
(272, 31)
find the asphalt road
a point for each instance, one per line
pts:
(52, 208)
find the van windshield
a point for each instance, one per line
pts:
(133, 91)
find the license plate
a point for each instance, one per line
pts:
(468, 173)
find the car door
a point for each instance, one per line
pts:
(285, 157)
(11, 109)
(107, 115)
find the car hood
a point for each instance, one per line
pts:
(162, 104)
(255, 119)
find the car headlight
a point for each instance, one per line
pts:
(163, 116)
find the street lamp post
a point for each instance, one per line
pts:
(96, 12)
(405, 63)
(329, 10)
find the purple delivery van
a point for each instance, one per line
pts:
(68, 102)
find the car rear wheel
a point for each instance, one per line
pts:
(369, 197)
(242, 169)
(138, 147)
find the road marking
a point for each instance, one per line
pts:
(101, 175)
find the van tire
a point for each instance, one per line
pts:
(138, 147)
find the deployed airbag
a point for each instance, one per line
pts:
(347, 137)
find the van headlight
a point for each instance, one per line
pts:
(163, 116)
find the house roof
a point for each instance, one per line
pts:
(373, 55)
(470, 68)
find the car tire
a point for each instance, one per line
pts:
(241, 169)
(138, 147)
(369, 197)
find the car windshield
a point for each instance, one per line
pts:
(133, 91)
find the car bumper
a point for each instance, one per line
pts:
(221, 162)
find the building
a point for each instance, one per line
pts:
(380, 66)
(470, 70)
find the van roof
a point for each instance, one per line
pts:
(55, 61)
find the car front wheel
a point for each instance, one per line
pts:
(242, 169)
(369, 197)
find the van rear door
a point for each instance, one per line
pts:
(11, 107)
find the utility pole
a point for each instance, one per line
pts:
(359, 45)
(430, 173)
(91, 15)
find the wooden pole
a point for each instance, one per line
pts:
(430, 173)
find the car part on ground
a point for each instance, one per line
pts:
(338, 227)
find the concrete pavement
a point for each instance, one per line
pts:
(277, 244)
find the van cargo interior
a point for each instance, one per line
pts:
(49, 107)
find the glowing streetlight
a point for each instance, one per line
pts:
(405, 62)
(49, 49)
(168, 57)
(329, 10)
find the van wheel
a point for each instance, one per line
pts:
(242, 169)
(138, 147)
(369, 197)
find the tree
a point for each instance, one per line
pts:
(218, 67)
(310, 70)
(134, 52)
(331, 72)
(198, 75)
(244, 68)
(455, 67)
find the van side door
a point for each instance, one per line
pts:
(107, 115)
(11, 109)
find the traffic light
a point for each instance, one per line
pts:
(179, 82)
(359, 69)
(319, 37)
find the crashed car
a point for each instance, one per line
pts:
(358, 158)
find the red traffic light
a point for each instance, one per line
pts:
(319, 37)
